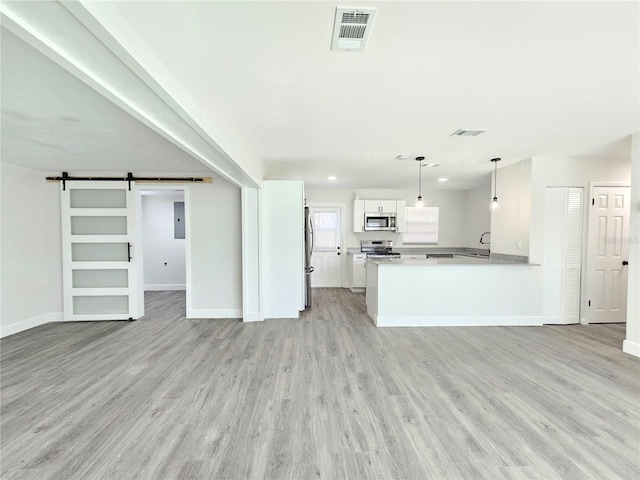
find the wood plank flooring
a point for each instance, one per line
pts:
(325, 396)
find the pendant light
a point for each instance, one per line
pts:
(419, 201)
(494, 201)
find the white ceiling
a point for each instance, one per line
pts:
(546, 79)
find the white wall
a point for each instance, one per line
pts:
(569, 172)
(632, 342)
(164, 256)
(214, 235)
(463, 215)
(478, 216)
(452, 214)
(31, 251)
(510, 224)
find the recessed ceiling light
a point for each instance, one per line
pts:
(402, 156)
(332, 178)
(443, 179)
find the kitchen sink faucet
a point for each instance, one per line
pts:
(482, 239)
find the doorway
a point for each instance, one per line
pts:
(164, 242)
(608, 252)
(326, 256)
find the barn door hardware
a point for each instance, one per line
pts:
(129, 178)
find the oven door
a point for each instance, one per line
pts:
(379, 221)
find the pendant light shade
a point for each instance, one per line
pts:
(419, 201)
(494, 201)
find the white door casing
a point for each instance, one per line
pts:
(326, 257)
(98, 251)
(608, 249)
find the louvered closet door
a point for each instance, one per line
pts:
(98, 238)
(562, 254)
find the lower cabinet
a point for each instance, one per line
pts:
(405, 256)
(358, 271)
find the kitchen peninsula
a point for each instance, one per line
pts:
(453, 292)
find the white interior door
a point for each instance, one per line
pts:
(98, 241)
(562, 254)
(608, 249)
(326, 257)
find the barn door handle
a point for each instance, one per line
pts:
(624, 262)
(129, 251)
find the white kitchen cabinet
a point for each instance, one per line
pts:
(401, 216)
(358, 216)
(412, 256)
(358, 272)
(388, 206)
(379, 206)
(371, 206)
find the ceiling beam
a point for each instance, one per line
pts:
(78, 50)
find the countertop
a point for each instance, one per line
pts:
(430, 262)
(428, 250)
(496, 258)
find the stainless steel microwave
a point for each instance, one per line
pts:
(380, 221)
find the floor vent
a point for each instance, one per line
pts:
(468, 132)
(351, 28)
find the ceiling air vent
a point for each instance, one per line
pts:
(351, 28)
(468, 132)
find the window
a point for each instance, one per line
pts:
(422, 225)
(326, 230)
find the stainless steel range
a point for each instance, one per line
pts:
(379, 249)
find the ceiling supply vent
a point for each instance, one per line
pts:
(351, 28)
(468, 132)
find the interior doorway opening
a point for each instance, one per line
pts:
(163, 233)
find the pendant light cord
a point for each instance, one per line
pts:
(495, 180)
(420, 178)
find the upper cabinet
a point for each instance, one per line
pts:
(360, 207)
(379, 206)
(358, 216)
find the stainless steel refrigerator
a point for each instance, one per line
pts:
(308, 250)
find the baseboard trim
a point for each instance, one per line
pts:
(489, 321)
(158, 287)
(632, 348)
(252, 317)
(214, 313)
(32, 322)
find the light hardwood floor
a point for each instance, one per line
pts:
(325, 396)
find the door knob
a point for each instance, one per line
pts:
(624, 262)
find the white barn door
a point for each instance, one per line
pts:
(98, 245)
